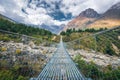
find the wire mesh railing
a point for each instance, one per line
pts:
(98, 55)
(22, 56)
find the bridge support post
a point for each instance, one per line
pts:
(95, 44)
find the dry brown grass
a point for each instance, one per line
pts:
(78, 22)
(81, 23)
(107, 23)
(3, 49)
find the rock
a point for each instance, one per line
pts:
(119, 37)
(98, 58)
(31, 44)
(90, 13)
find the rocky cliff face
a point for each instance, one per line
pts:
(89, 13)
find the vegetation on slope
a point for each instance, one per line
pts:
(107, 43)
(24, 29)
(91, 70)
(19, 69)
(70, 31)
(15, 73)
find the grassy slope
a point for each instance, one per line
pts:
(104, 23)
(107, 43)
(24, 29)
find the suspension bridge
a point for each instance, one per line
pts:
(61, 66)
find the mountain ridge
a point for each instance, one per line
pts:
(89, 13)
(7, 18)
(85, 17)
(88, 18)
(109, 19)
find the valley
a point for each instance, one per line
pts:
(59, 40)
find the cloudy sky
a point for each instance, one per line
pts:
(50, 12)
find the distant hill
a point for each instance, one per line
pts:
(91, 19)
(53, 28)
(4, 17)
(9, 25)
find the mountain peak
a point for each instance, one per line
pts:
(90, 13)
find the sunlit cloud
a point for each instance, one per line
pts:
(38, 12)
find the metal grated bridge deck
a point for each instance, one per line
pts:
(60, 67)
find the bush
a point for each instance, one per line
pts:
(18, 51)
(3, 49)
(6, 75)
(22, 78)
(91, 70)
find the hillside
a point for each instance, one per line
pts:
(95, 51)
(109, 19)
(20, 47)
(7, 25)
(2, 16)
(106, 43)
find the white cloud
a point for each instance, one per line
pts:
(37, 16)
(2, 10)
(38, 19)
(76, 6)
(101, 6)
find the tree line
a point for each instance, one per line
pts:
(22, 28)
(70, 31)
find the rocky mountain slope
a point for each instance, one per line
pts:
(89, 13)
(84, 18)
(91, 19)
(109, 19)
